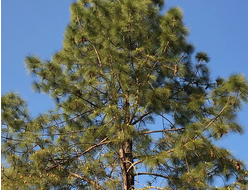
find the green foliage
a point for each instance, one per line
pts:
(122, 66)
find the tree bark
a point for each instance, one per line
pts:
(125, 151)
(129, 162)
(126, 160)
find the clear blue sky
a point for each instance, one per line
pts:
(37, 27)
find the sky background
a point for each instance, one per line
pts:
(37, 28)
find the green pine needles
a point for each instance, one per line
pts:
(123, 65)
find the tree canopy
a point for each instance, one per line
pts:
(122, 65)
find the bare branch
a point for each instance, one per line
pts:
(141, 117)
(187, 164)
(92, 147)
(153, 187)
(165, 130)
(132, 165)
(97, 54)
(154, 174)
(166, 119)
(212, 121)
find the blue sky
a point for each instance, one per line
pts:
(37, 27)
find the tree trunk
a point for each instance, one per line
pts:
(125, 151)
(126, 160)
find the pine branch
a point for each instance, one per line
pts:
(187, 164)
(153, 187)
(12, 139)
(165, 130)
(79, 155)
(152, 69)
(165, 49)
(215, 118)
(154, 174)
(97, 54)
(102, 142)
(197, 70)
(166, 119)
(77, 175)
(86, 101)
(132, 165)
(136, 102)
(141, 117)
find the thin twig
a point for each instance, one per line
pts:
(154, 174)
(132, 165)
(166, 119)
(97, 53)
(165, 130)
(187, 164)
(139, 119)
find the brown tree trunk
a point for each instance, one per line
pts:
(129, 162)
(125, 151)
(126, 160)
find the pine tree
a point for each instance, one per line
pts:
(122, 66)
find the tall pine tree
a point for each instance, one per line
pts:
(123, 65)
